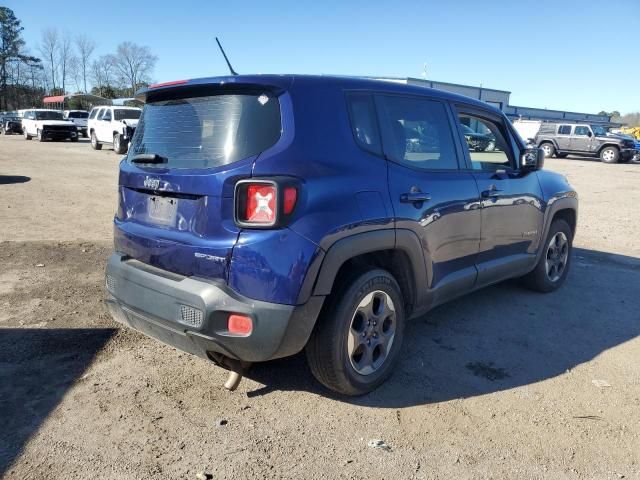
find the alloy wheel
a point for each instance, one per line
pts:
(371, 332)
(557, 256)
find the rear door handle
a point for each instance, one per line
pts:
(415, 197)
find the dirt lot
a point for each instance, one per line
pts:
(504, 383)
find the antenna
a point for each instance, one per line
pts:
(233, 72)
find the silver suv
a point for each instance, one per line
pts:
(562, 139)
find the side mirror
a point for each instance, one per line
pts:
(531, 159)
(589, 134)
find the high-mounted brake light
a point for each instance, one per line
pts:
(168, 84)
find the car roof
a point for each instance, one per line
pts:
(345, 82)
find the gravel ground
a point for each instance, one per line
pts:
(503, 383)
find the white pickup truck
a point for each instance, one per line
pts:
(114, 126)
(79, 119)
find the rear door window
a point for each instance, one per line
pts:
(564, 130)
(416, 132)
(126, 114)
(208, 131)
(364, 123)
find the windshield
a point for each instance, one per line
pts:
(209, 131)
(599, 130)
(10, 114)
(78, 115)
(122, 114)
(48, 115)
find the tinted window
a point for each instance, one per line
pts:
(564, 129)
(364, 123)
(48, 115)
(416, 133)
(78, 115)
(93, 113)
(106, 115)
(485, 143)
(583, 131)
(208, 131)
(122, 114)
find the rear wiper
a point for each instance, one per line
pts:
(149, 158)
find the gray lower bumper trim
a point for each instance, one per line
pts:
(149, 300)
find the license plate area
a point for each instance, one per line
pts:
(162, 210)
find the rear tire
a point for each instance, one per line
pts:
(355, 343)
(119, 146)
(548, 148)
(610, 155)
(95, 144)
(553, 266)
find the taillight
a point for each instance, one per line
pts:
(264, 203)
(290, 197)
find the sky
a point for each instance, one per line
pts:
(581, 56)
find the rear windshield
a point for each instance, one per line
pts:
(78, 115)
(122, 114)
(208, 131)
(51, 115)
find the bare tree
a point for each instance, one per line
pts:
(101, 72)
(65, 56)
(133, 64)
(75, 73)
(85, 47)
(49, 50)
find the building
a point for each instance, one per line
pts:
(500, 100)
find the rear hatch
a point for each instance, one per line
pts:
(177, 214)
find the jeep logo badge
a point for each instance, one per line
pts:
(152, 183)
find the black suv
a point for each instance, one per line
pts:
(561, 139)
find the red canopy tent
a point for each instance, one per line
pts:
(58, 101)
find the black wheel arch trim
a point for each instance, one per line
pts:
(548, 140)
(322, 273)
(565, 201)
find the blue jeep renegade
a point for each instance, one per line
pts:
(262, 215)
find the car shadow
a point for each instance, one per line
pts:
(593, 159)
(37, 368)
(11, 179)
(497, 338)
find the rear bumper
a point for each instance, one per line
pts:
(150, 300)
